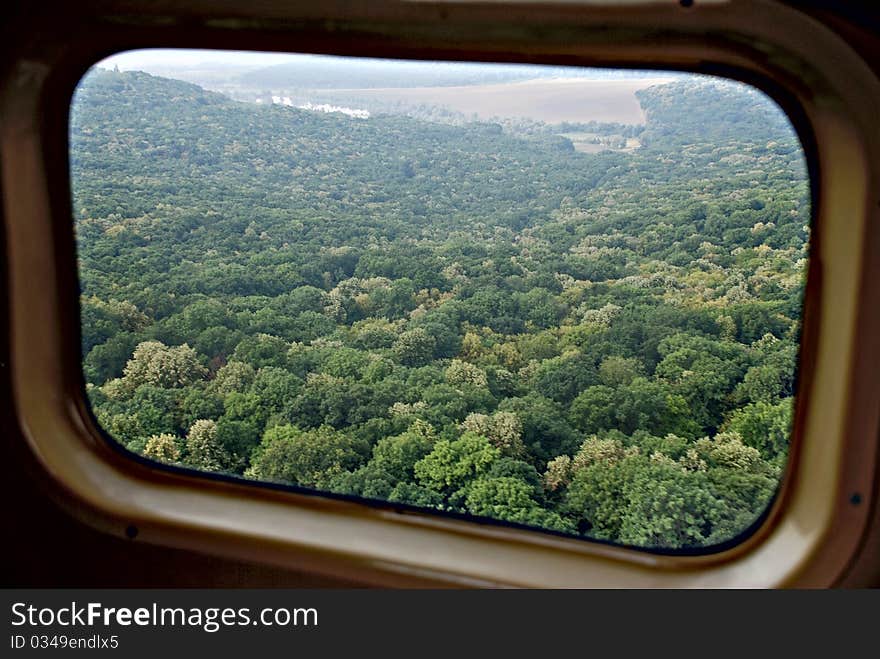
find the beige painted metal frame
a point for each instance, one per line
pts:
(817, 524)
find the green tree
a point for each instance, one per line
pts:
(234, 376)
(615, 371)
(510, 499)
(503, 429)
(156, 364)
(414, 347)
(452, 464)
(164, 448)
(262, 350)
(203, 448)
(764, 426)
(670, 508)
(311, 458)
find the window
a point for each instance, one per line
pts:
(817, 525)
(556, 297)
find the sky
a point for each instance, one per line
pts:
(138, 59)
(164, 60)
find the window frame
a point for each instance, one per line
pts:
(821, 513)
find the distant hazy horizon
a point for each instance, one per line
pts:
(161, 58)
(165, 60)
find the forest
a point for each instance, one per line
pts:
(465, 318)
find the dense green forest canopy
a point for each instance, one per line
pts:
(461, 317)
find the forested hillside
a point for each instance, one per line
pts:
(457, 317)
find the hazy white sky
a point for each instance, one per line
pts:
(164, 60)
(137, 59)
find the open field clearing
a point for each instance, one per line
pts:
(551, 101)
(594, 142)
